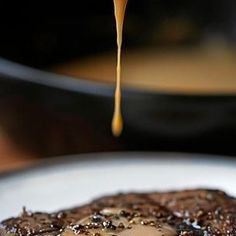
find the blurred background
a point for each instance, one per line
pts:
(64, 104)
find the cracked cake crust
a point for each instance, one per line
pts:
(190, 213)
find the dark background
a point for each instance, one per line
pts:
(47, 121)
(38, 33)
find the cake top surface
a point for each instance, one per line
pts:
(183, 213)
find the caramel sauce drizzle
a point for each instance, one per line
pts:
(117, 121)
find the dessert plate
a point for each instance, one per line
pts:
(70, 181)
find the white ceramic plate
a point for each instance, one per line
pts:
(63, 184)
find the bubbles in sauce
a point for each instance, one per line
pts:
(117, 121)
(119, 222)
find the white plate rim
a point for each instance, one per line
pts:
(89, 158)
(95, 160)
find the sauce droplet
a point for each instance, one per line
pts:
(117, 121)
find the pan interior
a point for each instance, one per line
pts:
(206, 69)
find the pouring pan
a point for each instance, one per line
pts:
(57, 114)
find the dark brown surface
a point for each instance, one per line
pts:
(191, 213)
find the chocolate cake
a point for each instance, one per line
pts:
(183, 213)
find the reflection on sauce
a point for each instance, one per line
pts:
(117, 121)
(113, 222)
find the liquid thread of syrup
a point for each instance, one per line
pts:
(117, 121)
